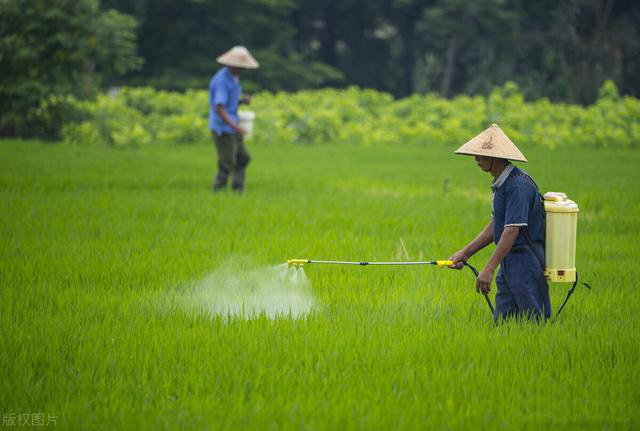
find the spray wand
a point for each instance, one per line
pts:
(299, 263)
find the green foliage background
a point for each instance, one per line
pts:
(562, 51)
(143, 116)
(53, 50)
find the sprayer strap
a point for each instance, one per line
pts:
(524, 228)
(533, 248)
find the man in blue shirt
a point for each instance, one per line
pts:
(224, 97)
(518, 211)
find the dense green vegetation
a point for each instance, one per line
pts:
(564, 51)
(99, 246)
(143, 116)
(52, 50)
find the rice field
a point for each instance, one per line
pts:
(132, 297)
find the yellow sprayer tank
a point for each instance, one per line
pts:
(562, 218)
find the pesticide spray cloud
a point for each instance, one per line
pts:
(237, 291)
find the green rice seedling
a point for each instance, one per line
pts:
(101, 248)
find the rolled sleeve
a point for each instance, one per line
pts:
(517, 211)
(220, 94)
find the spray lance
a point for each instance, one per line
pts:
(299, 263)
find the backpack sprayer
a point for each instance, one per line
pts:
(561, 220)
(560, 247)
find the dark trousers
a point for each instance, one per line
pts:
(522, 287)
(233, 159)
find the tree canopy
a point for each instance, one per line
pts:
(563, 50)
(51, 49)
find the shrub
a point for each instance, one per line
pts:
(352, 116)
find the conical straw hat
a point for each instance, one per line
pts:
(492, 143)
(238, 56)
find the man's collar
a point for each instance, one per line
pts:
(503, 177)
(230, 75)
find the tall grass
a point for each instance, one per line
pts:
(99, 245)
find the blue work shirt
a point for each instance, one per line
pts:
(225, 90)
(516, 202)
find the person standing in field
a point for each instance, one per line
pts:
(516, 227)
(224, 96)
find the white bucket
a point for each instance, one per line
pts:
(245, 120)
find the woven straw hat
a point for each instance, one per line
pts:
(492, 143)
(238, 56)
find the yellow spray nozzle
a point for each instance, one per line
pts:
(298, 263)
(442, 263)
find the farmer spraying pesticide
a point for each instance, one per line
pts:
(516, 227)
(531, 246)
(224, 97)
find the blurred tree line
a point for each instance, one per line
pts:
(563, 50)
